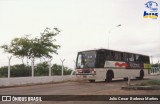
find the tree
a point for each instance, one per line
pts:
(19, 70)
(43, 46)
(19, 47)
(42, 69)
(38, 47)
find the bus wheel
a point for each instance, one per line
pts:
(141, 74)
(109, 77)
(92, 81)
(125, 79)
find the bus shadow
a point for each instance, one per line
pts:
(123, 80)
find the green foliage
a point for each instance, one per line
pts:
(38, 47)
(20, 70)
(3, 71)
(156, 65)
(57, 70)
(16, 71)
(46, 42)
(19, 47)
(149, 83)
(42, 69)
(35, 47)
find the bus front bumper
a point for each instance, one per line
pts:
(88, 76)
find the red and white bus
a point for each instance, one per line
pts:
(105, 64)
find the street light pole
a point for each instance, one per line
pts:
(158, 63)
(62, 65)
(110, 32)
(152, 60)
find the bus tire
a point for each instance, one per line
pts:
(91, 81)
(109, 76)
(141, 75)
(125, 79)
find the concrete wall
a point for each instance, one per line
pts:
(34, 80)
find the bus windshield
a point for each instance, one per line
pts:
(86, 59)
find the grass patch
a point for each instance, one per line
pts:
(149, 83)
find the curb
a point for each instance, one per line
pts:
(141, 87)
(34, 84)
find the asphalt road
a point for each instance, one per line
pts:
(81, 88)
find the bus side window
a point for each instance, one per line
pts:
(125, 56)
(140, 58)
(131, 57)
(117, 56)
(107, 55)
(112, 55)
(122, 57)
(101, 59)
(146, 59)
(136, 58)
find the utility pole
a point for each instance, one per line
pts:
(158, 67)
(152, 60)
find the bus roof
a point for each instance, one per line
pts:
(112, 50)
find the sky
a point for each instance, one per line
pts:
(85, 25)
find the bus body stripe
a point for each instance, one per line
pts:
(121, 64)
